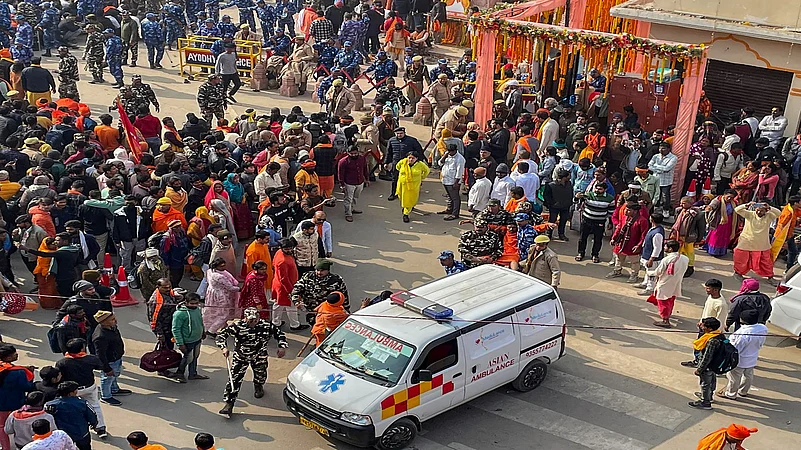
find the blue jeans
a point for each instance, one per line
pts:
(190, 358)
(108, 384)
(792, 251)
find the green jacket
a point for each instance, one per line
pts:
(187, 325)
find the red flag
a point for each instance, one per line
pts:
(130, 134)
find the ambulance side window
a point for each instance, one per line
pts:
(441, 357)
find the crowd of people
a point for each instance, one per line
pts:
(193, 201)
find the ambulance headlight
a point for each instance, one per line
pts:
(291, 388)
(356, 419)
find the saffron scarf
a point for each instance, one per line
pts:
(74, 355)
(7, 366)
(784, 229)
(700, 343)
(39, 437)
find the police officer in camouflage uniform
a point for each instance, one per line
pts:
(383, 67)
(113, 47)
(22, 50)
(5, 25)
(87, 7)
(144, 94)
(193, 7)
(251, 338)
(94, 53)
(213, 9)
(153, 35)
(313, 288)
(480, 245)
(127, 99)
(67, 74)
(49, 27)
(226, 26)
(246, 8)
(348, 60)
(129, 34)
(211, 98)
(495, 216)
(267, 17)
(174, 23)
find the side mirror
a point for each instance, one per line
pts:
(423, 375)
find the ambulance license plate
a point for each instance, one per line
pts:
(309, 424)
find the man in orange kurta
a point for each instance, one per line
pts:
(330, 314)
(259, 250)
(724, 438)
(164, 214)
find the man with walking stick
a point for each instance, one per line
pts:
(251, 336)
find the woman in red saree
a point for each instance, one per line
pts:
(254, 293)
(745, 182)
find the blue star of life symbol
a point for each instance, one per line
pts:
(332, 383)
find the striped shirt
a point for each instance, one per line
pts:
(598, 208)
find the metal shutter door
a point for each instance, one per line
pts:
(731, 87)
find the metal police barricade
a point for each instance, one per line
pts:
(195, 52)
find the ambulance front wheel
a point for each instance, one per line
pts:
(531, 377)
(398, 435)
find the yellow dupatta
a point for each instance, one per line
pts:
(700, 343)
(784, 229)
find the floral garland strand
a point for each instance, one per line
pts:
(591, 40)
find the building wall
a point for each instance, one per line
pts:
(786, 13)
(745, 50)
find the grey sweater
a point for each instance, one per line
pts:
(226, 64)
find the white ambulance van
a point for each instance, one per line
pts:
(397, 363)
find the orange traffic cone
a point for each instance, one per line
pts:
(691, 190)
(123, 296)
(105, 274)
(707, 189)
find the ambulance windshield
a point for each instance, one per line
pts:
(363, 350)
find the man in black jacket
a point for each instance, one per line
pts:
(37, 81)
(499, 141)
(750, 298)
(712, 340)
(87, 298)
(76, 172)
(95, 223)
(110, 349)
(397, 148)
(78, 367)
(125, 233)
(72, 326)
(559, 198)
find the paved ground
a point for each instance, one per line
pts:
(621, 390)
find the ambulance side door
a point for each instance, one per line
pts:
(492, 351)
(540, 324)
(444, 361)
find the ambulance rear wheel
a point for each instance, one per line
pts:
(398, 435)
(531, 377)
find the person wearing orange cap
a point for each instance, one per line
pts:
(704, 105)
(307, 175)
(729, 438)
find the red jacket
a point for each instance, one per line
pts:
(286, 275)
(636, 236)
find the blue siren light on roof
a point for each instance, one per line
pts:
(421, 305)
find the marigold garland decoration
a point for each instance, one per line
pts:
(590, 40)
